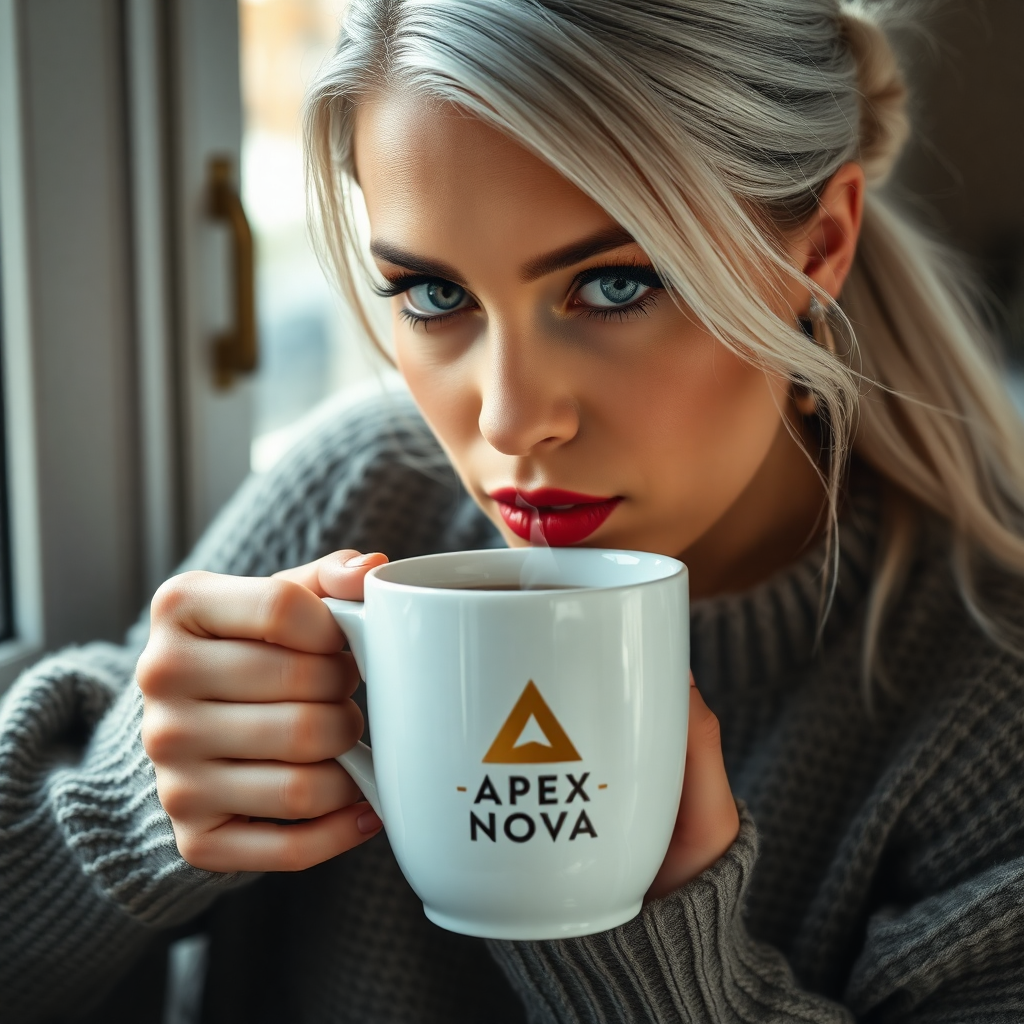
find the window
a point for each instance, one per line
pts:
(6, 610)
(308, 347)
(69, 535)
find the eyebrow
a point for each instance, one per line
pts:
(558, 259)
(418, 264)
(576, 252)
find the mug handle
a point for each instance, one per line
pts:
(358, 762)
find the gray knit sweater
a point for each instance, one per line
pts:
(877, 874)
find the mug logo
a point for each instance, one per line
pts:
(531, 717)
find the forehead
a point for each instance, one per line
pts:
(435, 175)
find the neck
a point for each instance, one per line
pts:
(781, 512)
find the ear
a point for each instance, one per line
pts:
(824, 247)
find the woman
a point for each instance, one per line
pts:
(634, 253)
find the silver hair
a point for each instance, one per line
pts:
(708, 129)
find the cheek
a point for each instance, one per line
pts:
(441, 385)
(699, 421)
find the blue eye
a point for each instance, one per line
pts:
(611, 291)
(435, 297)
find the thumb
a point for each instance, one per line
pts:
(339, 574)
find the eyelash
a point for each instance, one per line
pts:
(426, 322)
(634, 309)
(642, 272)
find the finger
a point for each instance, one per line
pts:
(177, 664)
(240, 845)
(213, 790)
(339, 574)
(277, 611)
(296, 732)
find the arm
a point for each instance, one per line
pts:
(686, 957)
(89, 867)
(88, 864)
(689, 957)
(947, 945)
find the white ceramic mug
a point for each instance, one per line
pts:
(528, 745)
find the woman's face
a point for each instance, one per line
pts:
(535, 337)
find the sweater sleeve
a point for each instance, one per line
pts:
(88, 863)
(89, 869)
(685, 957)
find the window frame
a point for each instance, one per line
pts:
(120, 448)
(25, 566)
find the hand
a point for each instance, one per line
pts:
(708, 821)
(246, 704)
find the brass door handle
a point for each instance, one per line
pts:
(234, 350)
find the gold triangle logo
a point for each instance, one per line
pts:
(507, 750)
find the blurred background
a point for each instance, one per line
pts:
(144, 144)
(307, 346)
(964, 170)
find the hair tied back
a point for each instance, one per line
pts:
(884, 123)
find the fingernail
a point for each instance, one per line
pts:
(368, 822)
(357, 560)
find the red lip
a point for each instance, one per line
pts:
(526, 512)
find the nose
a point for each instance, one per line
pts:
(525, 401)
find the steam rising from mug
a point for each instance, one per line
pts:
(539, 567)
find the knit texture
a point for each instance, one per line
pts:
(877, 875)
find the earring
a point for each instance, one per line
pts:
(820, 331)
(817, 328)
